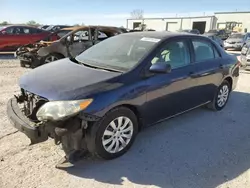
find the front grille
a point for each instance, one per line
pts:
(30, 104)
(231, 42)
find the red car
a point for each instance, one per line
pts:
(14, 36)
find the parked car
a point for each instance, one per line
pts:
(237, 41)
(14, 36)
(221, 33)
(98, 101)
(194, 31)
(70, 45)
(53, 28)
(245, 56)
(215, 38)
(27, 54)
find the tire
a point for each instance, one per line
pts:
(224, 88)
(22, 63)
(95, 137)
(52, 57)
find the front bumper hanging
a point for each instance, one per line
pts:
(34, 131)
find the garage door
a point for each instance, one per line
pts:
(172, 26)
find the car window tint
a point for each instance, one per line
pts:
(34, 30)
(18, 30)
(203, 50)
(10, 30)
(26, 30)
(175, 53)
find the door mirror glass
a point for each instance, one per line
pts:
(160, 67)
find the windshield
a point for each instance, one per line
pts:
(236, 36)
(121, 52)
(59, 34)
(50, 27)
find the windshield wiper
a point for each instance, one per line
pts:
(94, 67)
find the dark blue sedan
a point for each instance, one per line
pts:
(99, 101)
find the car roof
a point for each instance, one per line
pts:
(159, 34)
(22, 25)
(110, 28)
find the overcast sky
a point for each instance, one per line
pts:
(109, 12)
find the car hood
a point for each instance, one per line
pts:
(65, 80)
(234, 40)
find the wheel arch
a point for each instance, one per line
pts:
(57, 53)
(230, 81)
(135, 110)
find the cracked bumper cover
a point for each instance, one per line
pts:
(35, 133)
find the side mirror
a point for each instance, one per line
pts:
(160, 67)
(3, 32)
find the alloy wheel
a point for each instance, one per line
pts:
(50, 58)
(117, 134)
(223, 96)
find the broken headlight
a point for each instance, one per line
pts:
(59, 110)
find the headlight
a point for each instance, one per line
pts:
(58, 110)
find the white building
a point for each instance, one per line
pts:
(220, 20)
(239, 19)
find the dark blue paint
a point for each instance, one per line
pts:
(155, 96)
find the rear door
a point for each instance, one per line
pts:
(208, 68)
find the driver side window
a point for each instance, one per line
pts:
(175, 53)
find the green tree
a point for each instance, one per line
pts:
(32, 22)
(4, 23)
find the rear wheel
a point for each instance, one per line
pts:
(221, 97)
(114, 134)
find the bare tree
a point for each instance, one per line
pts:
(137, 14)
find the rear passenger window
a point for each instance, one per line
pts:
(203, 50)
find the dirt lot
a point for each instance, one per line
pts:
(201, 149)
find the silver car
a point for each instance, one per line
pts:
(245, 56)
(236, 41)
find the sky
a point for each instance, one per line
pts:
(109, 12)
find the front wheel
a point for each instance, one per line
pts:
(22, 63)
(114, 134)
(52, 57)
(221, 98)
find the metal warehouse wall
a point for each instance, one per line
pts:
(158, 24)
(243, 17)
(187, 23)
(173, 24)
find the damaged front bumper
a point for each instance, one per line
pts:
(35, 132)
(70, 133)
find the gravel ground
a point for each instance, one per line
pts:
(200, 149)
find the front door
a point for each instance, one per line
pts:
(82, 40)
(171, 93)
